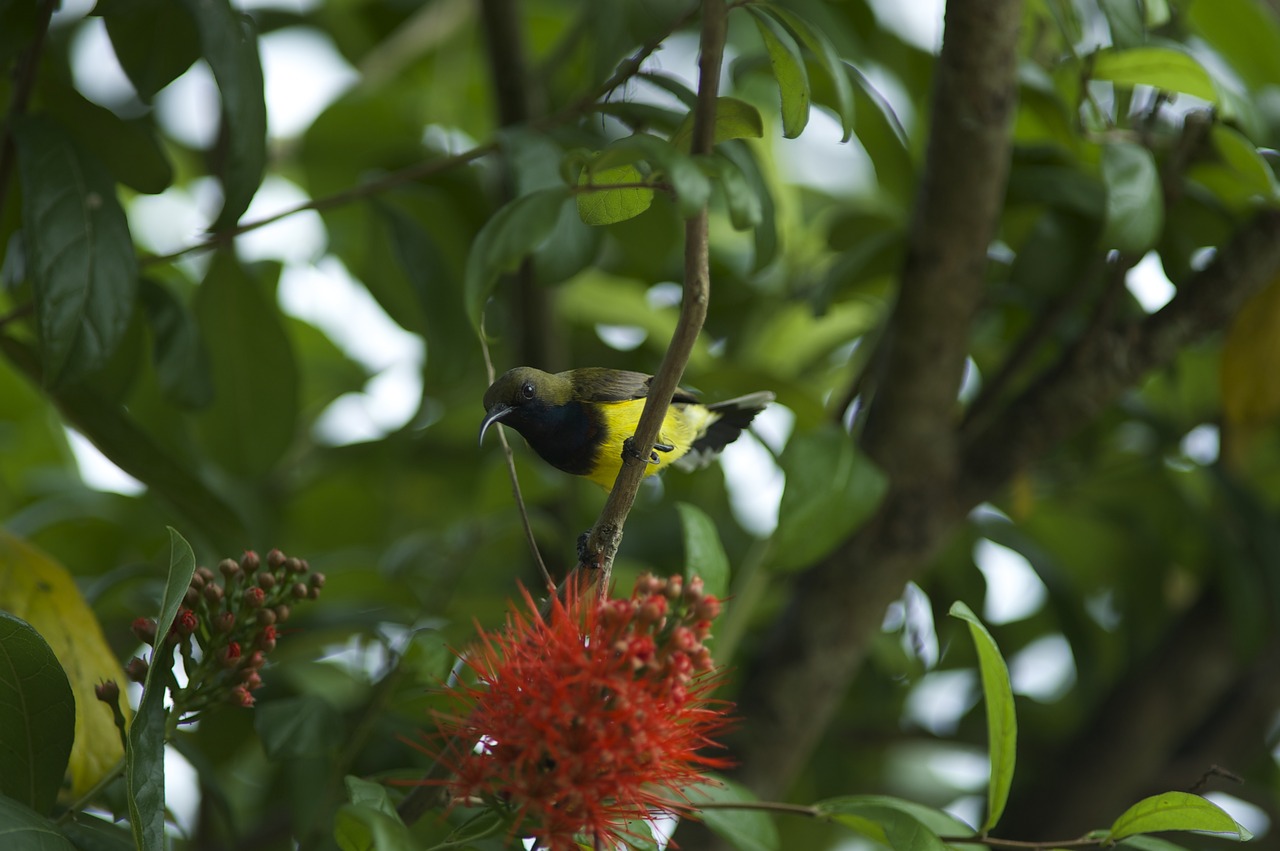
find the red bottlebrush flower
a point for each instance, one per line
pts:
(583, 729)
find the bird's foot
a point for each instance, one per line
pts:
(629, 450)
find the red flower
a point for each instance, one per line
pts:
(590, 718)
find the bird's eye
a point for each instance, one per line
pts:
(526, 390)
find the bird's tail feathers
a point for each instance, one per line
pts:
(731, 418)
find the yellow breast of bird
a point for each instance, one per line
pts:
(683, 424)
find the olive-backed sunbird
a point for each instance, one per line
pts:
(578, 420)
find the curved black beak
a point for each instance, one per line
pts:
(494, 414)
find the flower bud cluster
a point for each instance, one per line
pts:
(228, 623)
(662, 628)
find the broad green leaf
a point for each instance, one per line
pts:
(23, 829)
(154, 40)
(1148, 843)
(788, 70)
(936, 821)
(144, 762)
(821, 47)
(39, 590)
(229, 43)
(253, 417)
(735, 119)
(360, 827)
(79, 252)
(1175, 811)
(1243, 32)
(745, 830)
(745, 209)
(513, 231)
(181, 358)
(1126, 20)
(366, 794)
(1158, 67)
(609, 206)
(1242, 157)
(117, 435)
(691, 187)
(890, 822)
(831, 489)
(1002, 722)
(704, 555)
(1135, 201)
(129, 149)
(37, 716)
(88, 833)
(298, 727)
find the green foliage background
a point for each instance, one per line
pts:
(1160, 565)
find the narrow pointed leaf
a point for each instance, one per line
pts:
(144, 763)
(745, 209)
(229, 43)
(37, 716)
(788, 70)
(1175, 811)
(79, 251)
(821, 47)
(1158, 67)
(1002, 723)
(511, 234)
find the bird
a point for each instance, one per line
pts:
(578, 421)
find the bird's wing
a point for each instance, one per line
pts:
(600, 384)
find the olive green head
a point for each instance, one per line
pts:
(521, 391)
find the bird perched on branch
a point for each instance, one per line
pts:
(579, 420)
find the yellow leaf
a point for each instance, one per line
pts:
(40, 591)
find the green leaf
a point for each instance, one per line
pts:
(79, 252)
(897, 824)
(691, 187)
(788, 70)
(367, 794)
(831, 489)
(24, 829)
(1242, 157)
(735, 119)
(229, 44)
(298, 727)
(745, 829)
(88, 833)
(1158, 67)
(766, 233)
(118, 436)
(154, 40)
(37, 716)
(1243, 32)
(1135, 205)
(609, 206)
(144, 759)
(821, 47)
(130, 150)
(360, 827)
(745, 209)
(514, 230)
(873, 807)
(704, 555)
(1148, 843)
(181, 359)
(254, 414)
(1002, 722)
(1175, 811)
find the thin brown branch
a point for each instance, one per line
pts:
(602, 542)
(24, 81)
(805, 665)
